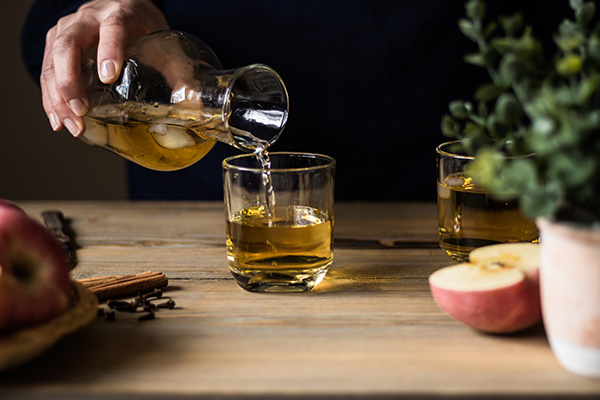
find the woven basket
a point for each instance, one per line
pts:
(26, 344)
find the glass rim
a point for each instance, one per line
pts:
(439, 150)
(445, 153)
(329, 162)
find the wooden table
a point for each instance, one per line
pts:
(371, 329)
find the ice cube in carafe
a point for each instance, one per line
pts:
(171, 137)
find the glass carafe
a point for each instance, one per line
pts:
(173, 101)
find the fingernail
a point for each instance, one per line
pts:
(72, 127)
(54, 122)
(108, 70)
(78, 107)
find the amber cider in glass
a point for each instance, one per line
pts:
(289, 246)
(468, 217)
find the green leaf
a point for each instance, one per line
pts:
(486, 166)
(585, 13)
(543, 126)
(488, 92)
(495, 128)
(503, 44)
(482, 109)
(458, 110)
(512, 24)
(564, 97)
(467, 28)
(475, 59)
(569, 65)
(473, 143)
(521, 174)
(508, 109)
(572, 170)
(511, 68)
(570, 36)
(587, 87)
(594, 48)
(473, 130)
(475, 9)
(450, 127)
(536, 204)
(575, 4)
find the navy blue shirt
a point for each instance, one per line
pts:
(368, 82)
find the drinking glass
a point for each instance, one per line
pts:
(468, 217)
(279, 220)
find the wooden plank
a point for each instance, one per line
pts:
(370, 329)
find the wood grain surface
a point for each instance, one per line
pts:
(371, 329)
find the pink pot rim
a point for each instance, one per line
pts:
(571, 230)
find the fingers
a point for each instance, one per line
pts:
(59, 113)
(108, 23)
(114, 32)
(46, 77)
(63, 93)
(67, 49)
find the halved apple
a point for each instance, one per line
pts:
(496, 291)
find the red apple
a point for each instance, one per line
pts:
(10, 204)
(496, 291)
(34, 274)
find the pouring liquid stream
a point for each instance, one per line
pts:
(267, 193)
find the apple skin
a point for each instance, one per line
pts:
(497, 291)
(9, 204)
(35, 281)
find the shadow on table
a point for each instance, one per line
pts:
(105, 347)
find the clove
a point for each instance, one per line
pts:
(156, 293)
(120, 305)
(170, 304)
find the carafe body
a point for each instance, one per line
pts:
(173, 101)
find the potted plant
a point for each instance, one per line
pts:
(544, 102)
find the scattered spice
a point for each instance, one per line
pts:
(143, 302)
(170, 304)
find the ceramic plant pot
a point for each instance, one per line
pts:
(570, 290)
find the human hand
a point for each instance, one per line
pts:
(107, 23)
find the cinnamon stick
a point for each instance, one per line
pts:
(114, 286)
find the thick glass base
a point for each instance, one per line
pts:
(279, 281)
(459, 248)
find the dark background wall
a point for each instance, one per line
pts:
(35, 162)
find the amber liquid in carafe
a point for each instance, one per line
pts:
(161, 137)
